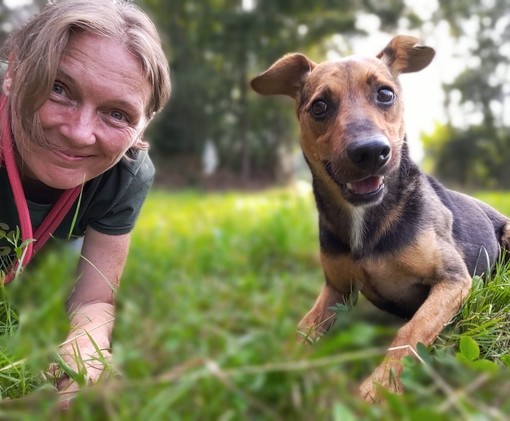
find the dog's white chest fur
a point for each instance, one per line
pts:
(357, 229)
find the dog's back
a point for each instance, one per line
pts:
(477, 228)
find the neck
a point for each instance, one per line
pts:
(361, 228)
(38, 192)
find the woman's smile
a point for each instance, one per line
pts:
(93, 115)
(70, 155)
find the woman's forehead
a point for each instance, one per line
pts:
(106, 64)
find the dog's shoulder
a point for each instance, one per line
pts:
(475, 227)
(466, 210)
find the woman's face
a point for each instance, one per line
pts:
(93, 115)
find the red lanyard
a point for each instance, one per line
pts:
(54, 217)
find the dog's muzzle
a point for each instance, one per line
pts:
(367, 186)
(368, 158)
(368, 191)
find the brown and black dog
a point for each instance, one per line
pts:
(386, 229)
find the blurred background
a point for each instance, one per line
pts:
(217, 133)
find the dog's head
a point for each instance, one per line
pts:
(350, 112)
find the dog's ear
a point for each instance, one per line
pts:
(285, 77)
(404, 54)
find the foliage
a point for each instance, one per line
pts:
(11, 18)
(479, 93)
(482, 83)
(216, 47)
(470, 361)
(211, 295)
(473, 157)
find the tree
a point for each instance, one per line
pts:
(482, 94)
(12, 18)
(216, 46)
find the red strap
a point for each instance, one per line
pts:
(14, 180)
(55, 217)
(56, 214)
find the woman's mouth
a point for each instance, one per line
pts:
(69, 155)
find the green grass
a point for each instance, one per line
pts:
(206, 326)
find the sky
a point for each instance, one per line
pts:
(16, 3)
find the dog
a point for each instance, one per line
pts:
(386, 229)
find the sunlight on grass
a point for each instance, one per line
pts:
(212, 292)
(231, 233)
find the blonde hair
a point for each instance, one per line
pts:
(34, 53)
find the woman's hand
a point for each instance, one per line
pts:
(87, 348)
(91, 309)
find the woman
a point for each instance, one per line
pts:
(84, 78)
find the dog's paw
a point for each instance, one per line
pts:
(309, 334)
(385, 376)
(368, 390)
(313, 326)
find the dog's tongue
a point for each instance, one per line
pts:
(366, 186)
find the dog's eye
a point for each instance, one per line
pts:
(385, 95)
(319, 108)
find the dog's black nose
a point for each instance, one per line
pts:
(370, 154)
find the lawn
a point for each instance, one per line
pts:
(212, 292)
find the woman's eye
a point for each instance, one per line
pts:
(58, 89)
(117, 115)
(385, 96)
(319, 108)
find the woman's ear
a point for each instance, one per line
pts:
(6, 83)
(7, 80)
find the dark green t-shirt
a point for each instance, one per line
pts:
(110, 203)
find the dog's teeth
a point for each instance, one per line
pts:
(366, 186)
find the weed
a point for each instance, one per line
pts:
(206, 327)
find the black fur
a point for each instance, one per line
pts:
(403, 186)
(476, 228)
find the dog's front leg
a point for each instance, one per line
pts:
(321, 317)
(443, 302)
(340, 285)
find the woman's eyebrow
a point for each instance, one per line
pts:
(63, 76)
(127, 105)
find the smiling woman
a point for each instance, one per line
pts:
(83, 81)
(93, 115)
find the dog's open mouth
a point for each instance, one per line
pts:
(367, 186)
(368, 191)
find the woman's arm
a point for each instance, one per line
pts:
(91, 304)
(99, 269)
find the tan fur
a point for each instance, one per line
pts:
(425, 276)
(329, 143)
(505, 240)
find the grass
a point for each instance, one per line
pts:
(206, 326)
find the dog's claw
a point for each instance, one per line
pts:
(309, 335)
(385, 376)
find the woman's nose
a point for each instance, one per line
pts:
(79, 128)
